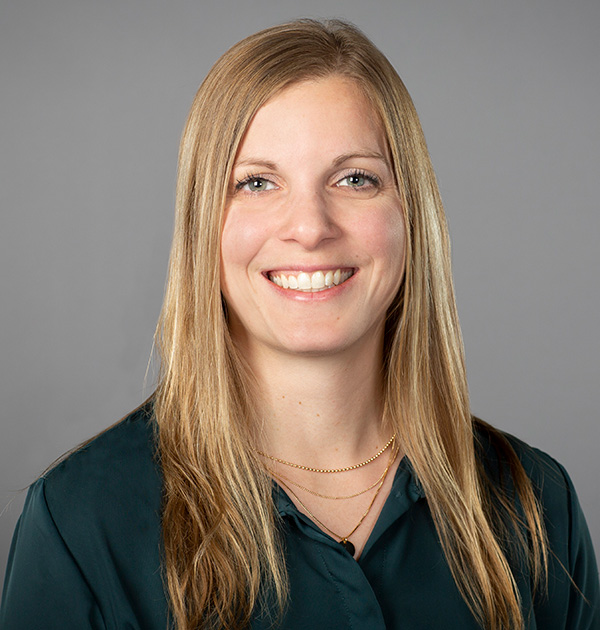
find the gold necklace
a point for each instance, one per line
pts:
(330, 470)
(346, 544)
(325, 496)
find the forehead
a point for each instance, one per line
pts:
(331, 110)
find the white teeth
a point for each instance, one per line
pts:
(317, 281)
(304, 281)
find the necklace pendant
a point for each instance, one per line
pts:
(348, 546)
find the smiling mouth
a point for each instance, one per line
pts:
(311, 282)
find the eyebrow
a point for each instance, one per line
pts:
(250, 161)
(336, 162)
(360, 154)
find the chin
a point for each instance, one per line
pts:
(309, 346)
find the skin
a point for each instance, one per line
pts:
(313, 190)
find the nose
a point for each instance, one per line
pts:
(308, 219)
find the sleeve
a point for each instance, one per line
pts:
(44, 587)
(584, 603)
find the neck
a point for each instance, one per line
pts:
(321, 410)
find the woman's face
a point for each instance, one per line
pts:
(312, 251)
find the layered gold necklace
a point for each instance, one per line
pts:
(286, 483)
(331, 470)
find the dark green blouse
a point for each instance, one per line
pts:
(86, 553)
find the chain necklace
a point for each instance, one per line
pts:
(346, 544)
(326, 496)
(330, 470)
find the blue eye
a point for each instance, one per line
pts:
(359, 179)
(356, 180)
(254, 184)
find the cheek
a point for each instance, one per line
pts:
(241, 240)
(385, 237)
(396, 243)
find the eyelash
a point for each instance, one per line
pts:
(373, 180)
(240, 183)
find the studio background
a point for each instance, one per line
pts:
(93, 97)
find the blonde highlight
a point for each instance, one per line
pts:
(223, 555)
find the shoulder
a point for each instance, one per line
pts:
(573, 596)
(497, 451)
(86, 550)
(550, 482)
(107, 478)
(505, 458)
(122, 447)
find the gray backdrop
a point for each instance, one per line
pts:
(93, 99)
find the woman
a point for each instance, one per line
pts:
(308, 459)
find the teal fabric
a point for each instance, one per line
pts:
(86, 552)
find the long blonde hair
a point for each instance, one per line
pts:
(222, 551)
